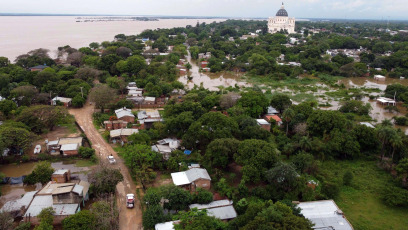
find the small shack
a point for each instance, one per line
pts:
(379, 77)
(125, 114)
(192, 179)
(221, 209)
(64, 100)
(61, 176)
(264, 124)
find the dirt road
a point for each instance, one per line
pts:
(128, 218)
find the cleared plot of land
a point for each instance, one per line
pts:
(362, 202)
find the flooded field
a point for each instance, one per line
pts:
(14, 192)
(211, 81)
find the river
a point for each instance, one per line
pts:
(20, 34)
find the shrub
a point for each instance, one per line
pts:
(85, 152)
(403, 121)
(348, 178)
(152, 215)
(331, 190)
(41, 173)
(203, 196)
(25, 158)
(23, 226)
(395, 196)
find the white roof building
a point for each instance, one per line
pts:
(16, 205)
(379, 77)
(189, 176)
(122, 132)
(166, 226)
(62, 99)
(325, 214)
(367, 124)
(262, 122)
(124, 112)
(221, 209)
(69, 147)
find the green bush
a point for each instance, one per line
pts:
(43, 157)
(85, 152)
(395, 196)
(25, 158)
(331, 190)
(348, 178)
(403, 121)
(203, 196)
(23, 226)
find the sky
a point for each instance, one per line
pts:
(341, 9)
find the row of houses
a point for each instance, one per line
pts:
(135, 95)
(64, 197)
(67, 146)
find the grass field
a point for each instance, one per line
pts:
(361, 202)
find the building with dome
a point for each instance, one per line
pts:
(281, 22)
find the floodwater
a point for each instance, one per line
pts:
(14, 192)
(210, 81)
(20, 34)
(371, 83)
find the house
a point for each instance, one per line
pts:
(324, 214)
(386, 101)
(221, 209)
(65, 100)
(166, 146)
(379, 77)
(264, 124)
(65, 146)
(272, 111)
(275, 118)
(2, 98)
(112, 125)
(38, 68)
(61, 176)
(204, 64)
(149, 101)
(147, 119)
(135, 93)
(65, 198)
(132, 84)
(192, 179)
(206, 69)
(125, 114)
(18, 207)
(121, 134)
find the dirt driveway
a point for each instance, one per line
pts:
(128, 218)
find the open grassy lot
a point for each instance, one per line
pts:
(362, 202)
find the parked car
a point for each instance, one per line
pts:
(130, 200)
(37, 149)
(111, 159)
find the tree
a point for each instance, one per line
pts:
(288, 115)
(210, 126)
(15, 138)
(6, 221)
(136, 64)
(24, 94)
(280, 102)
(86, 152)
(322, 122)
(402, 170)
(356, 107)
(4, 62)
(106, 214)
(254, 103)
(303, 162)
(78, 101)
(46, 217)
(104, 179)
(94, 45)
(88, 74)
(283, 175)
(220, 152)
(7, 106)
(142, 161)
(75, 58)
(198, 219)
(102, 95)
(153, 215)
(41, 173)
(41, 117)
(82, 220)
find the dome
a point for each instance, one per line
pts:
(282, 12)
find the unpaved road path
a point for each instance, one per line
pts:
(128, 218)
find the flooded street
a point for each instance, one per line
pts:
(210, 81)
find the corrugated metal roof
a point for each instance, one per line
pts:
(123, 112)
(65, 209)
(38, 204)
(324, 215)
(180, 178)
(62, 99)
(70, 140)
(221, 209)
(69, 147)
(122, 132)
(78, 189)
(16, 205)
(197, 173)
(262, 122)
(85, 185)
(60, 171)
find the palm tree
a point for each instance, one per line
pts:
(396, 143)
(288, 115)
(384, 134)
(305, 143)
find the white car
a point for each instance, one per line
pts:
(130, 200)
(111, 159)
(37, 149)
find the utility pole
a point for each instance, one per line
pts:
(50, 98)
